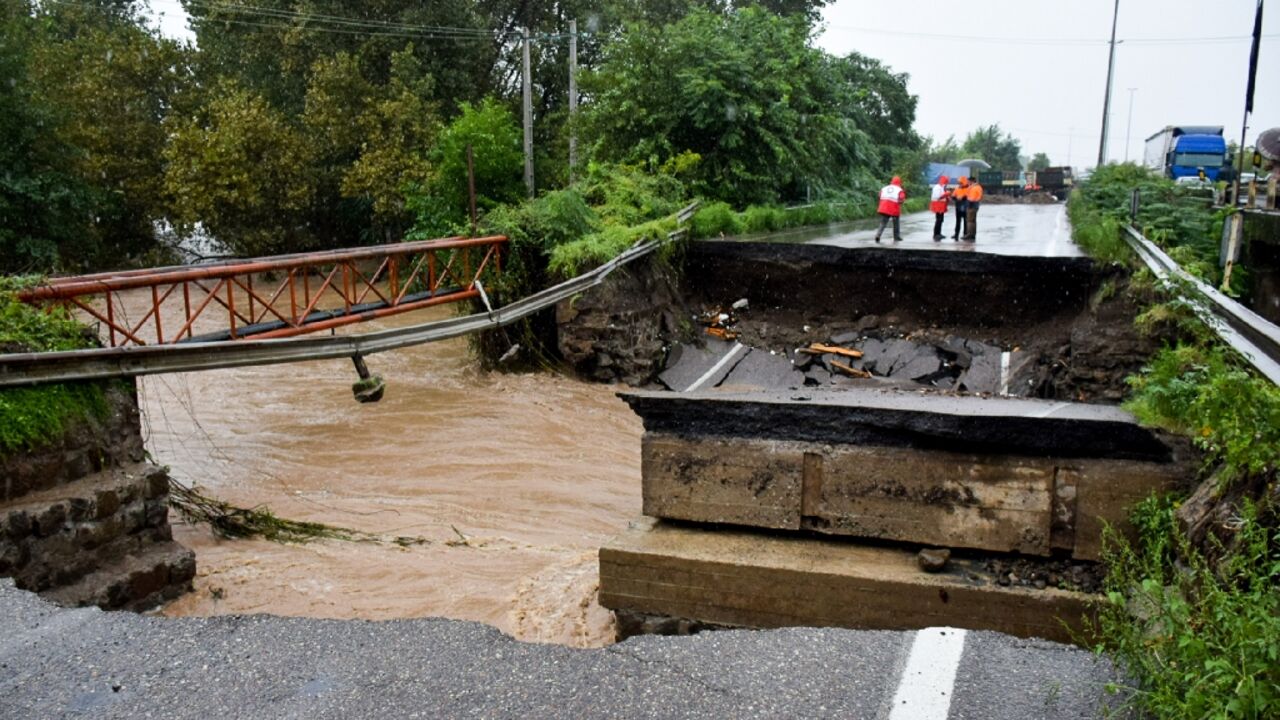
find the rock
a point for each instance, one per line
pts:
(845, 338)
(369, 389)
(919, 365)
(867, 322)
(983, 376)
(872, 351)
(932, 560)
(742, 304)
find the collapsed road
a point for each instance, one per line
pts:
(939, 327)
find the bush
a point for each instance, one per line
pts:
(1232, 415)
(715, 219)
(763, 218)
(1204, 641)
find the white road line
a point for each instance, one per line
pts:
(928, 680)
(1004, 373)
(737, 347)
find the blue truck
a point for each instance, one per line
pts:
(953, 172)
(1187, 150)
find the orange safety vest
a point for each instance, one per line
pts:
(961, 193)
(975, 193)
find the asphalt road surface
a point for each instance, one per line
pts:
(1026, 230)
(58, 663)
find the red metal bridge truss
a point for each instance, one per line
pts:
(280, 296)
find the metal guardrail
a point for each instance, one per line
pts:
(1253, 336)
(35, 368)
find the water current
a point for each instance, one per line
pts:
(513, 481)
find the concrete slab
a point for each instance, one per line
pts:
(996, 502)
(763, 370)
(748, 579)
(890, 418)
(700, 366)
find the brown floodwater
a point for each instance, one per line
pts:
(513, 480)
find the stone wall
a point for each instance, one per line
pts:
(85, 521)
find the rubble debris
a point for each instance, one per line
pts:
(1073, 575)
(932, 560)
(742, 304)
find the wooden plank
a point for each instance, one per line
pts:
(820, 349)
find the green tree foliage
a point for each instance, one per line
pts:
(242, 172)
(1039, 161)
(115, 80)
(44, 207)
(89, 87)
(999, 149)
(764, 111)
(490, 129)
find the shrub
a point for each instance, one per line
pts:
(1204, 641)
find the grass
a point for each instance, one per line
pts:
(35, 417)
(1202, 637)
(1197, 626)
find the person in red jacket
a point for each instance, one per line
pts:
(938, 197)
(891, 198)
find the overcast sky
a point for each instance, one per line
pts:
(1039, 68)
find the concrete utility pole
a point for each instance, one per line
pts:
(1106, 99)
(528, 116)
(1129, 130)
(573, 97)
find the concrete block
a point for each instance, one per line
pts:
(747, 579)
(1106, 491)
(988, 502)
(722, 480)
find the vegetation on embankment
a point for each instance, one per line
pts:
(32, 417)
(1193, 607)
(1178, 219)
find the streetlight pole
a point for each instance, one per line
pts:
(1106, 99)
(1128, 133)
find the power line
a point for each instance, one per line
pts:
(989, 39)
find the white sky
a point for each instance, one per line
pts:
(1021, 64)
(1038, 67)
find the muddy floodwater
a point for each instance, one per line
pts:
(513, 481)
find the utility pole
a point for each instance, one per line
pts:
(528, 115)
(1106, 99)
(573, 97)
(1129, 131)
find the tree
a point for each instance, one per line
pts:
(1002, 151)
(1039, 162)
(243, 173)
(879, 104)
(44, 208)
(744, 91)
(114, 81)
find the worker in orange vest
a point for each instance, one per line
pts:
(938, 196)
(974, 196)
(891, 198)
(961, 197)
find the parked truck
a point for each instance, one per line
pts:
(1186, 151)
(1056, 181)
